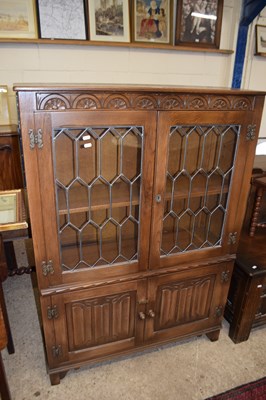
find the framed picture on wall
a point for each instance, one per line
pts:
(260, 39)
(109, 20)
(18, 19)
(62, 19)
(198, 23)
(4, 110)
(12, 210)
(152, 21)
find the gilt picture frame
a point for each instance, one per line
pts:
(4, 109)
(260, 39)
(18, 19)
(12, 210)
(152, 21)
(198, 23)
(109, 21)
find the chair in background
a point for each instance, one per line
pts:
(260, 186)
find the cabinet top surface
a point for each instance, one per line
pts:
(131, 88)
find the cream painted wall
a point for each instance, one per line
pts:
(44, 63)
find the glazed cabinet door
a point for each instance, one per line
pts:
(201, 179)
(93, 323)
(96, 176)
(187, 302)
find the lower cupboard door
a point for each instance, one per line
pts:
(94, 323)
(186, 303)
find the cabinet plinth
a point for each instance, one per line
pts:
(136, 196)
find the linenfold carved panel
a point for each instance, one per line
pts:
(183, 302)
(100, 320)
(145, 101)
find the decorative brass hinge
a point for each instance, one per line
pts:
(232, 238)
(52, 312)
(251, 132)
(57, 351)
(225, 276)
(35, 139)
(47, 268)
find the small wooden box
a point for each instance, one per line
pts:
(246, 303)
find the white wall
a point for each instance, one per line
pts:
(44, 63)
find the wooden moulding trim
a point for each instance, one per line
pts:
(71, 287)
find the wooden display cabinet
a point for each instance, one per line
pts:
(137, 196)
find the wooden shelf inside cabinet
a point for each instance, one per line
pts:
(79, 203)
(110, 250)
(260, 54)
(198, 189)
(117, 44)
(101, 199)
(200, 239)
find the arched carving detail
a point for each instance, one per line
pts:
(241, 104)
(86, 102)
(54, 102)
(220, 103)
(197, 103)
(172, 103)
(116, 102)
(145, 103)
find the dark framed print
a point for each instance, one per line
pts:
(109, 20)
(62, 19)
(152, 21)
(260, 39)
(198, 23)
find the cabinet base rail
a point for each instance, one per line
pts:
(56, 374)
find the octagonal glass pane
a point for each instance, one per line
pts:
(131, 161)
(64, 153)
(129, 246)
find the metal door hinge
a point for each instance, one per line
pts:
(47, 268)
(232, 238)
(35, 139)
(251, 132)
(52, 312)
(225, 276)
(57, 351)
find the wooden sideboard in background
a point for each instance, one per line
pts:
(11, 176)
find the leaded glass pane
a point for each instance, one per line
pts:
(199, 171)
(98, 176)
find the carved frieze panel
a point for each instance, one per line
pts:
(142, 101)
